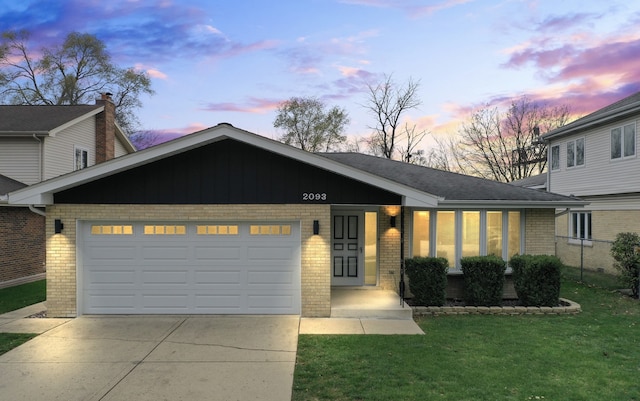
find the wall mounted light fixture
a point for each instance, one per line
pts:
(58, 226)
(316, 227)
(392, 221)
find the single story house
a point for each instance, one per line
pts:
(224, 221)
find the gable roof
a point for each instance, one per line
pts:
(418, 186)
(9, 184)
(452, 189)
(621, 109)
(43, 120)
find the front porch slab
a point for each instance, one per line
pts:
(368, 304)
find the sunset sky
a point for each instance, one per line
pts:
(235, 61)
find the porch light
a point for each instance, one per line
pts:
(392, 221)
(316, 227)
(57, 226)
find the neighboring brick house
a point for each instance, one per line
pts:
(596, 159)
(38, 143)
(224, 221)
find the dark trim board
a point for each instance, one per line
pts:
(227, 172)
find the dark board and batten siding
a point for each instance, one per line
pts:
(227, 172)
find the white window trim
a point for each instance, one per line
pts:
(635, 142)
(575, 153)
(75, 159)
(578, 241)
(433, 241)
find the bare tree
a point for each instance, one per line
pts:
(412, 138)
(74, 72)
(388, 103)
(504, 146)
(309, 127)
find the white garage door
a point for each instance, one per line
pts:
(190, 268)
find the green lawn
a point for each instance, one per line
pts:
(15, 298)
(591, 356)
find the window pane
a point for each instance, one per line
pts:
(421, 233)
(555, 157)
(494, 233)
(446, 236)
(579, 152)
(629, 140)
(570, 154)
(513, 246)
(616, 143)
(574, 225)
(470, 234)
(589, 225)
(370, 248)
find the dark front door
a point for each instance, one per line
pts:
(346, 246)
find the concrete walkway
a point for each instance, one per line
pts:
(111, 358)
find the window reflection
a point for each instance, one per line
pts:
(445, 236)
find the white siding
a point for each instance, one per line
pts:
(59, 151)
(120, 150)
(600, 175)
(19, 159)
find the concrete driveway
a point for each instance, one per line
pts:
(155, 358)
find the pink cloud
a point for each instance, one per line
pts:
(253, 105)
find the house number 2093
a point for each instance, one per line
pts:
(314, 196)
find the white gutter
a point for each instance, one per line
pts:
(37, 211)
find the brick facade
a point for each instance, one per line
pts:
(315, 251)
(606, 224)
(105, 130)
(21, 237)
(539, 232)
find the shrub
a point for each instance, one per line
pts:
(536, 279)
(483, 280)
(627, 260)
(428, 280)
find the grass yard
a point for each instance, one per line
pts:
(591, 356)
(15, 298)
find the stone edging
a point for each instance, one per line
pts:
(568, 307)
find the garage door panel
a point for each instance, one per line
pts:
(112, 277)
(114, 253)
(165, 253)
(217, 277)
(163, 277)
(191, 273)
(219, 252)
(260, 303)
(270, 277)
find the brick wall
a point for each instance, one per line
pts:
(606, 224)
(539, 232)
(389, 248)
(22, 239)
(315, 250)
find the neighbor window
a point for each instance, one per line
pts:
(81, 158)
(575, 153)
(580, 227)
(623, 142)
(555, 157)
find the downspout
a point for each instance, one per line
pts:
(401, 284)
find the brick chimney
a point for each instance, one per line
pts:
(105, 129)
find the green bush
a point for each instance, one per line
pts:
(536, 279)
(428, 280)
(483, 280)
(627, 260)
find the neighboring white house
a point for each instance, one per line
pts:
(596, 159)
(38, 143)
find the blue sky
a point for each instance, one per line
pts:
(235, 61)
